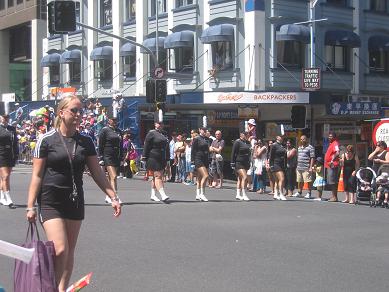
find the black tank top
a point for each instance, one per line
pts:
(381, 156)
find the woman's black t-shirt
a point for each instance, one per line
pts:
(58, 174)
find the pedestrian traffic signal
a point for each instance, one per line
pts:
(298, 116)
(61, 17)
(156, 91)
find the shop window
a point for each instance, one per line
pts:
(291, 53)
(337, 58)
(10, 3)
(337, 2)
(54, 75)
(19, 2)
(2, 4)
(74, 72)
(181, 60)
(162, 8)
(379, 61)
(162, 60)
(130, 10)
(106, 12)
(103, 70)
(222, 55)
(181, 3)
(378, 5)
(129, 66)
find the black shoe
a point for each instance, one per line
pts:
(11, 206)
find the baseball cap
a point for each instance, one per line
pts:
(252, 122)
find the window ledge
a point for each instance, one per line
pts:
(128, 79)
(295, 69)
(337, 71)
(337, 6)
(185, 8)
(180, 76)
(381, 74)
(383, 13)
(106, 27)
(129, 22)
(75, 32)
(57, 36)
(160, 16)
(213, 2)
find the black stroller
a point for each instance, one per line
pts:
(365, 185)
(382, 184)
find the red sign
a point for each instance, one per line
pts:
(381, 132)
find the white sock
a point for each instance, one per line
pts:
(243, 192)
(162, 192)
(197, 192)
(2, 197)
(7, 197)
(238, 192)
(202, 191)
(152, 191)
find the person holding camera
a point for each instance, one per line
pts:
(110, 151)
(240, 162)
(216, 168)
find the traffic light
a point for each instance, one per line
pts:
(156, 90)
(298, 116)
(61, 17)
(150, 91)
(161, 90)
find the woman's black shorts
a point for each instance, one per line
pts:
(111, 158)
(6, 161)
(201, 162)
(242, 165)
(59, 205)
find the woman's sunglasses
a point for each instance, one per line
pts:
(76, 110)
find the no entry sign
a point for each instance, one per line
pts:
(381, 132)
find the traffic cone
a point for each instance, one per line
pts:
(305, 186)
(341, 182)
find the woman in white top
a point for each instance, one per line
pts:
(260, 157)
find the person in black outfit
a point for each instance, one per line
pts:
(200, 159)
(277, 162)
(9, 151)
(240, 162)
(156, 154)
(110, 151)
(56, 183)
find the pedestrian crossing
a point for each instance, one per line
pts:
(22, 169)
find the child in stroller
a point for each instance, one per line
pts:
(382, 189)
(382, 181)
(365, 185)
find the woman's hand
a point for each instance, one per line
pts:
(117, 208)
(31, 216)
(353, 173)
(377, 160)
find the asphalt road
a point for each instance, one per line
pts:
(222, 245)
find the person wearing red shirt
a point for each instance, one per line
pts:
(331, 164)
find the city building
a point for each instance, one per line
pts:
(22, 29)
(232, 60)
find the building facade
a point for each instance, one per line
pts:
(22, 29)
(232, 60)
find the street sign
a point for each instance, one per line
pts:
(381, 132)
(159, 73)
(310, 79)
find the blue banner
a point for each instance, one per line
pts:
(355, 109)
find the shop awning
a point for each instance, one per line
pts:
(379, 43)
(218, 33)
(294, 32)
(344, 38)
(73, 56)
(50, 60)
(127, 49)
(151, 45)
(102, 53)
(181, 39)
